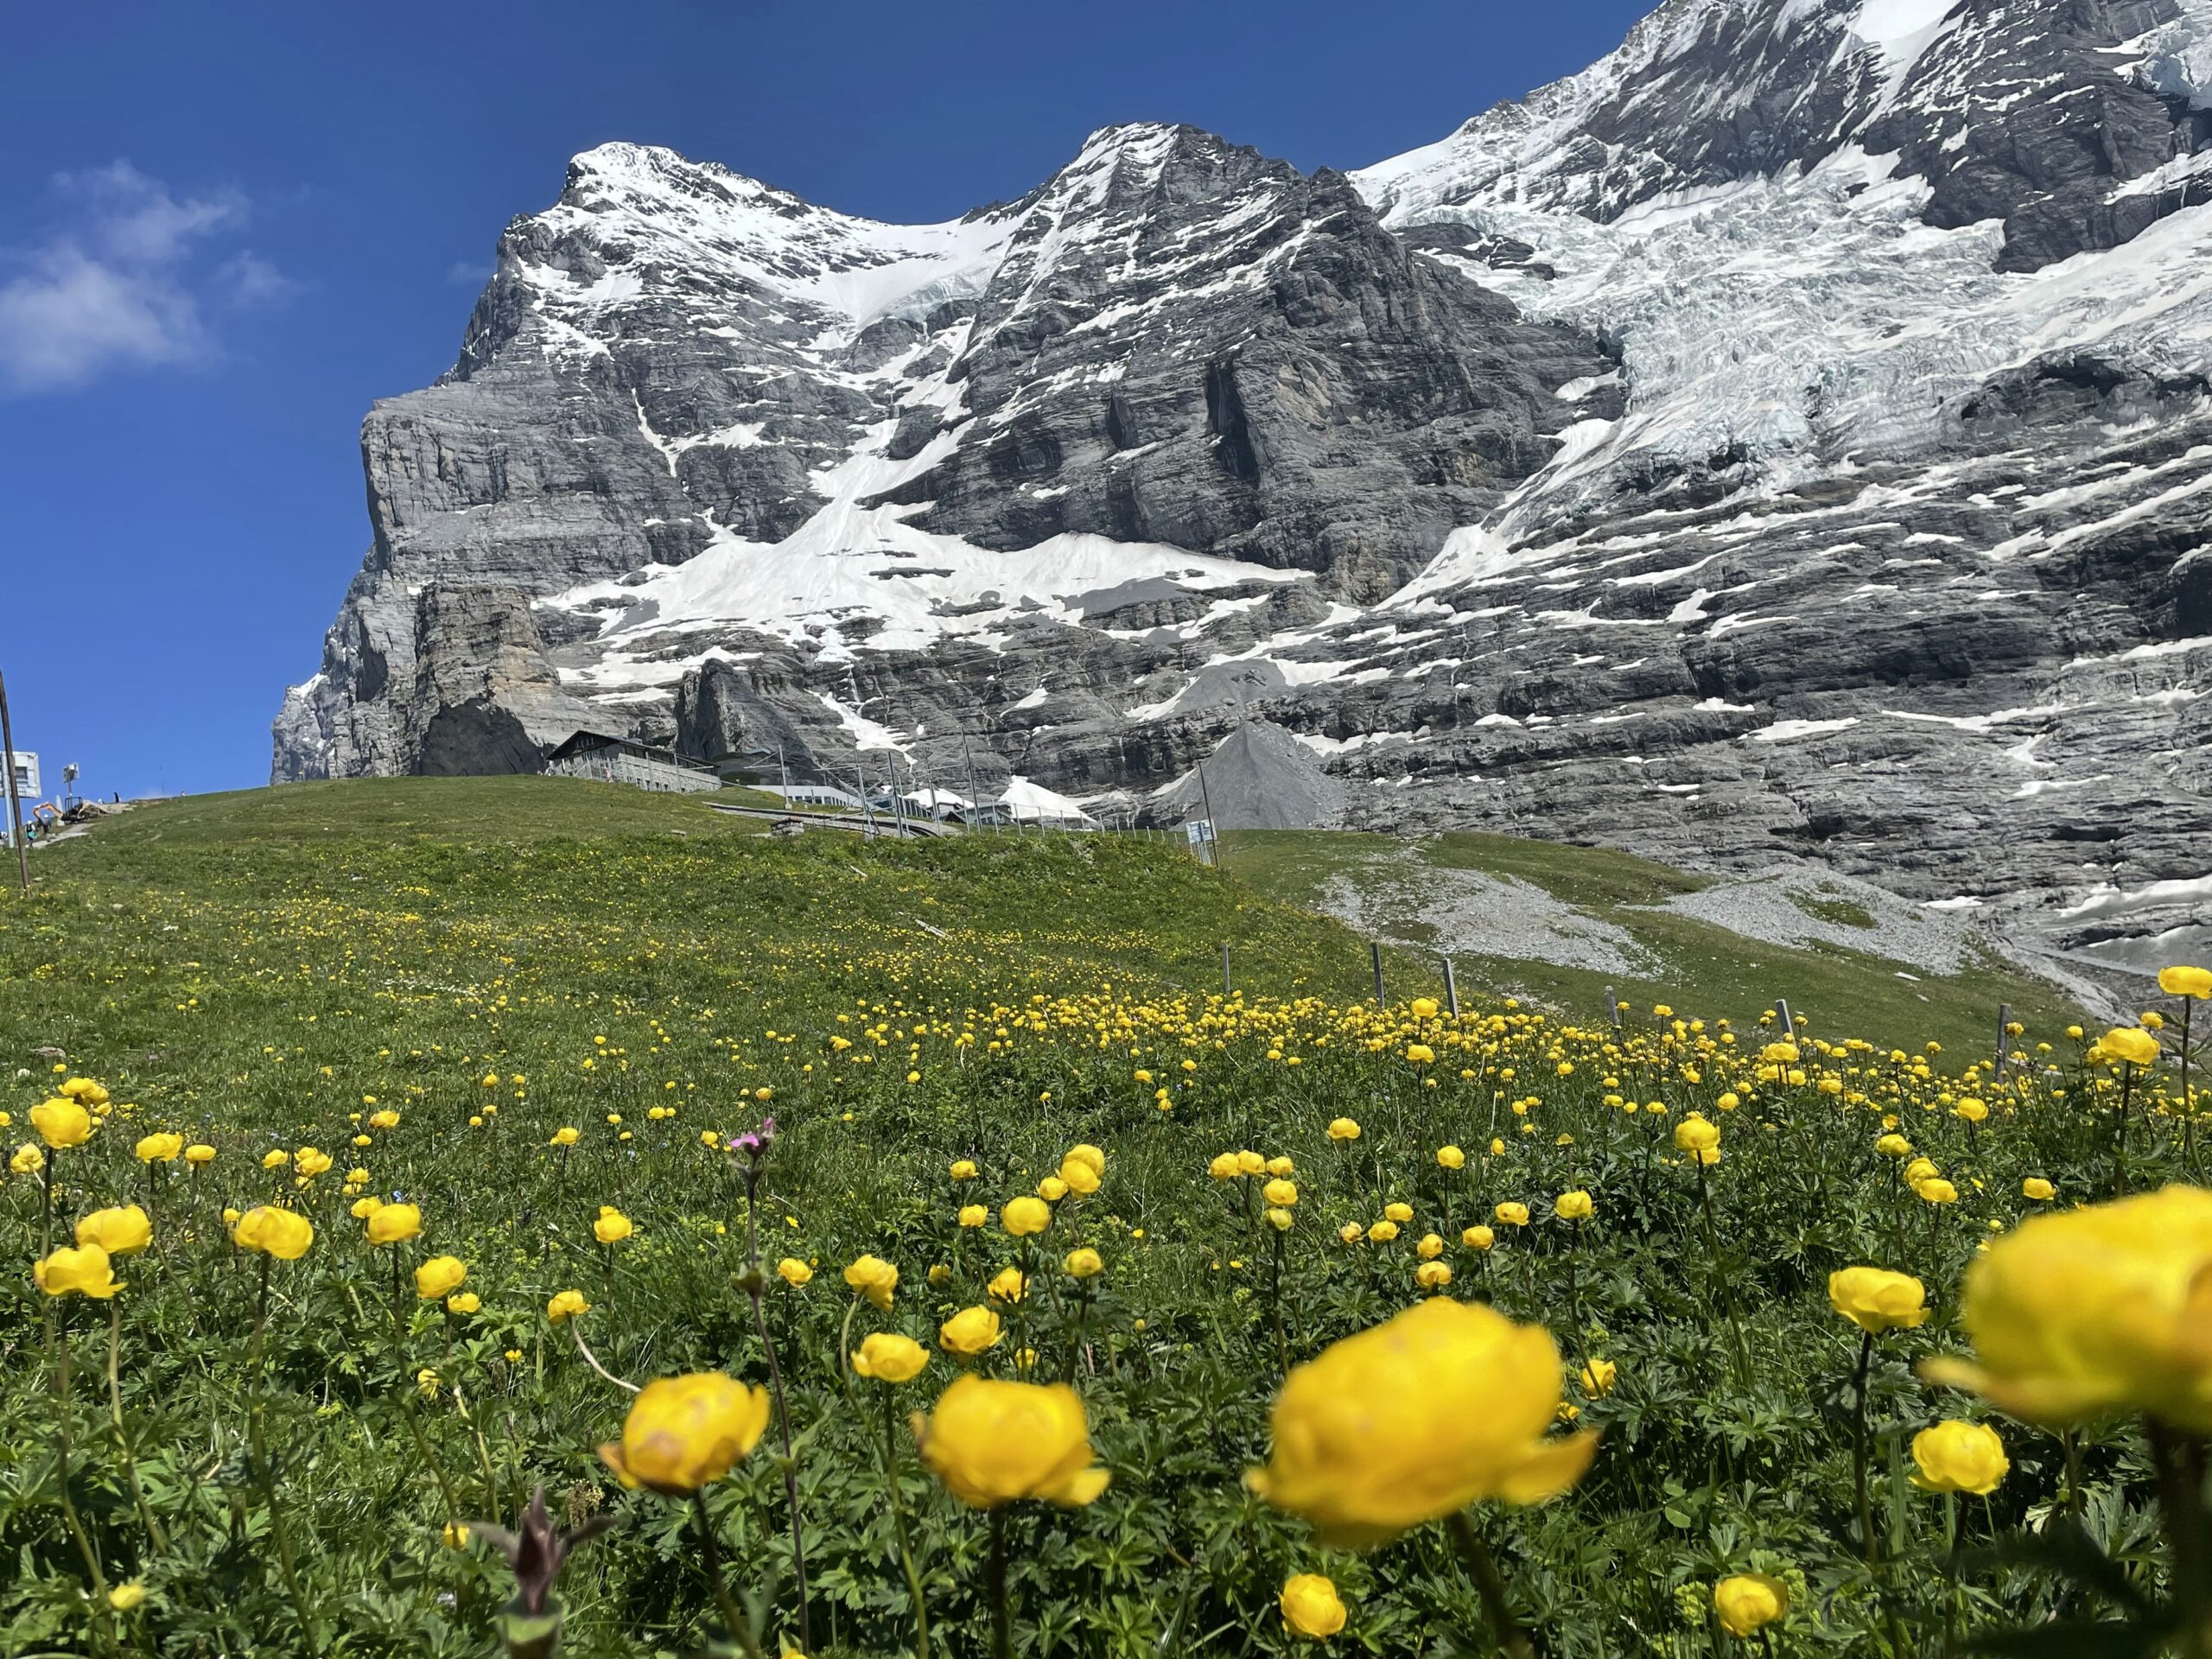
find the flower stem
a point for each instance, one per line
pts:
(1720, 1272)
(994, 1570)
(122, 1435)
(710, 1557)
(1490, 1585)
(258, 1441)
(1858, 1448)
(2179, 1458)
(776, 1392)
(899, 1522)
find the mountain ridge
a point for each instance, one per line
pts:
(1828, 474)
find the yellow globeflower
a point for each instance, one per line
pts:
(1876, 1300)
(874, 1278)
(126, 1598)
(163, 1148)
(199, 1153)
(2038, 1189)
(1085, 1264)
(993, 1443)
(1382, 1232)
(1023, 1217)
(395, 1223)
(2078, 1314)
(26, 1159)
(1051, 1189)
(969, 1331)
(1750, 1602)
(1937, 1190)
(1477, 1239)
(1007, 1286)
(1700, 1137)
(794, 1272)
(1250, 1163)
(684, 1432)
(565, 1306)
(310, 1163)
(2186, 982)
(565, 1137)
(1344, 1128)
(1572, 1206)
(85, 1271)
(1223, 1166)
(1432, 1275)
(1598, 1377)
(123, 1231)
(439, 1277)
(1959, 1457)
(467, 1302)
(1281, 1193)
(281, 1233)
(973, 1215)
(2130, 1043)
(366, 1205)
(1512, 1214)
(963, 1169)
(613, 1226)
(1311, 1607)
(889, 1358)
(61, 1122)
(1444, 1405)
(1091, 1158)
(1451, 1158)
(1421, 1007)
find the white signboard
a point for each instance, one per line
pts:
(26, 776)
(1200, 831)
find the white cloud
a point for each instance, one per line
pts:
(123, 280)
(468, 273)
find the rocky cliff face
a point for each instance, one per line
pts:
(1791, 438)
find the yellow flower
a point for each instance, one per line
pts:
(1700, 1137)
(874, 1278)
(1876, 1300)
(969, 1331)
(1085, 1264)
(123, 1231)
(85, 1271)
(439, 1276)
(1422, 1008)
(163, 1148)
(2038, 1189)
(1597, 1378)
(1432, 1275)
(199, 1153)
(1894, 1146)
(794, 1272)
(395, 1223)
(974, 1215)
(1935, 1190)
(889, 1358)
(2129, 1043)
(1445, 1404)
(126, 1598)
(310, 1163)
(1051, 1189)
(1089, 1157)
(366, 1205)
(386, 1119)
(1007, 1286)
(963, 1169)
(467, 1302)
(1281, 1193)
(1023, 1217)
(1311, 1607)
(1281, 1220)
(1420, 1053)
(1382, 1232)
(86, 1090)
(1477, 1239)
(1512, 1214)
(1572, 1206)
(276, 1158)
(1342, 1130)
(1223, 1167)
(2078, 1314)
(1451, 1158)
(27, 1159)
(61, 1122)
(564, 1137)
(684, 1432)
(1281, 1168)
(2186, 982)
(567, 1304)
(1750, 1602)
(993, 1443)
(613, 1226)
(1250, 1163)
(281, 1233)
(1959, 1457)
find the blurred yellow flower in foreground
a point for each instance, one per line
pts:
(993, 1443)
(684, 1432)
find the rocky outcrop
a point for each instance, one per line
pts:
(1791, 438)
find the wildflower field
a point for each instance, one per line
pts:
(521, 1217)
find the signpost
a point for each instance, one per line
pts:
(15, 800)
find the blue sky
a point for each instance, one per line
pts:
(227, 228)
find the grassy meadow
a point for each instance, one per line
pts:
(534, 1031)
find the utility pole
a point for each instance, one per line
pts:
(784, 766)
(975, 789)
(860, 778)
(15, 800)
(898, 808)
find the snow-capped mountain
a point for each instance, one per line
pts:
(1791, 437)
